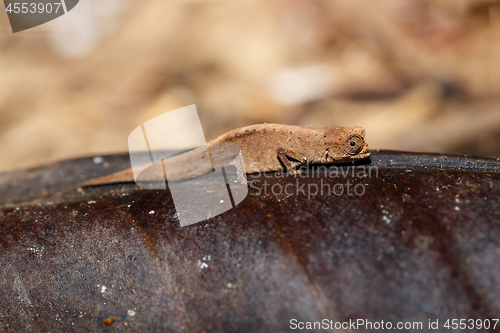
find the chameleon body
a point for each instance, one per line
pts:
(267, 148)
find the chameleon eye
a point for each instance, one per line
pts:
(354, 144)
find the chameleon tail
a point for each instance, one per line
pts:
(124, 176)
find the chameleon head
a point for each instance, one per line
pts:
(346, 143)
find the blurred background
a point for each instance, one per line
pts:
(417, 75)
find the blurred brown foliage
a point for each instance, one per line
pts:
(417, 75)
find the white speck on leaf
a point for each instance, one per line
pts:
(151, 212)
(98, 160)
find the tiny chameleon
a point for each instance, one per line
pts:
(267, 148)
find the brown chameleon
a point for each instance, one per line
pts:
(267, 148)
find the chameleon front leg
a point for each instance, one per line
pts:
(284, 155)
